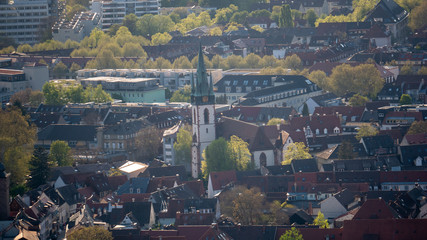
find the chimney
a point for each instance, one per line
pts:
(310, 208)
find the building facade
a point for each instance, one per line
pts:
(78, 28)
(113, 11)
(25, 21)
(141, 90)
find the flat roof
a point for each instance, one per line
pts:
(11, 72)
(118, 79)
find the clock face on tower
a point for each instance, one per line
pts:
(205, 99)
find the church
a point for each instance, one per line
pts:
(203, 114)
(261, 139)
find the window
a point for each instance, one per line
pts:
(245, 82)
(256, 82)
(206, 116)
(325, 131)
(265, 83)
(130, 190)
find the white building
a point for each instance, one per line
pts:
(78, 28)
(25, 21)
(114, 11)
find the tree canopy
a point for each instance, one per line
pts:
(182, 145)
(321, 221)
(295, 151)
(405, 99)
(17, 138)
(292, 234)
(221, 155)
(58, 93)
(90, 233)
(366, 131)
(418, 127)
(39, 168)
(60, 154)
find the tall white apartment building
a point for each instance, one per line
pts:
(114, 11)
(26, 20)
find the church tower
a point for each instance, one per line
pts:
(203, 114)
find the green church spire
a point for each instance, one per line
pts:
(202, 90)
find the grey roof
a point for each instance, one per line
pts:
(373, 143)
(304, 165)
(165, 171)
(388, 10)
(140, 183)
(68, 133)
(291, 82)
(140, 210)
(345, 197)
(178, 192)
(93, 167)
(126, 128)
(320, 99)
(69, 194)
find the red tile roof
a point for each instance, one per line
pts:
(196, 186)
(403, 176)
(402, 115)
(414, 229)
(345, 111)
(374, 209)
(220, 179)
(316, 122)
(415, 139)
(116, 181)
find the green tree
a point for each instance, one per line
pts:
(96, 95)
(418, 127)
(181, 95)
(60, 154)
(346, 150)
(247, 206)
(216, 31)
(418, 18)
(292, 62)
(182, 145)
(148, 143)
(39, 168)
(60, 70)
(305, 111)
(160, 39)
(74, 68)
(292, 234)
(405, 99)
(295, 151)
(239, 17)
(285, 18)
(365, 79)
(17, 138)
(240, 153)
(75, 94)
(182, 63)
(366, 131)
(277, 216)
(130, 22)
(422, 71)
(311, 17)
(90, 233)
(275, 121)
(252, 60)
(321, 221)
(407, 69)
(162, 63)
(52, 94)
(133, 50)
(217, 157)
(25, 48)
(358, 100)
